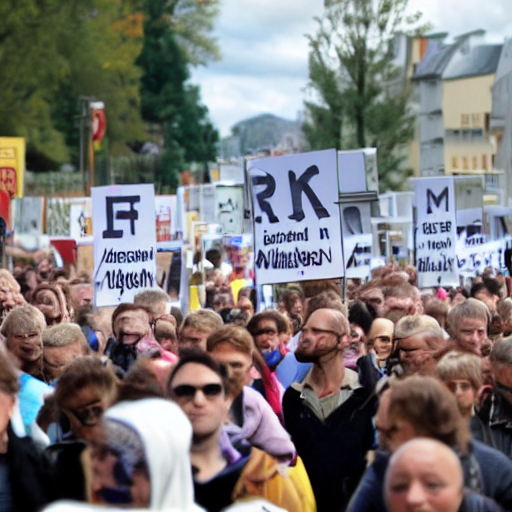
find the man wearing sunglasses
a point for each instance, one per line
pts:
(493, 420)
(328, 414)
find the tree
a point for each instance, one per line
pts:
(361, 94)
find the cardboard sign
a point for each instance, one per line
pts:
(297, 229)
(124, 242)
(436, 232)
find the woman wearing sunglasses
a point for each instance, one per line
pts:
(224, 474)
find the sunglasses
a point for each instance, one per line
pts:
(260, 332)
(187, 391)
(89, 416)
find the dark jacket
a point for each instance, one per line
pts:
(491, 475)
(333, 451)
(492, 424)
(31, 474)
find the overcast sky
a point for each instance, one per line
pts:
(264, 66)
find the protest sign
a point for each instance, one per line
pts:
(436, 232)
(297, 229)
(124, 242)
(230, 209)
(166, 213)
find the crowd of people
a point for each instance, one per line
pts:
(378, 398)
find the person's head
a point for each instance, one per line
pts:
(327, 299)
(130, 323)
(246, 306)
(401, 300)
(23, 328)
(84, 391)
(200, 386)
(418, 339)
(324, 336)
(468, 323)
(487, 291)
(437, 309)
(371, 294)
(505, 314)
(419, 407)
(10, 292)
(156, 301)
(164, 329)
(141, 457)
(196, 327)
(9, 388)
(458, 296)
(462, 374)
(62, 344)
(222, 301)
(501, 364)
(292, 301)
(268, 329)
(50, 300)
(233, 346)
(79, 291)
(424, 475)
(380, 337)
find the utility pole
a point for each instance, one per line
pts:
(85, 138)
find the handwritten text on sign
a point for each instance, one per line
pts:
(436, 232)
(296, 217)
(124, 242)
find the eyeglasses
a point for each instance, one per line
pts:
(269, 331)
(463, 386)
(315, 331)
(88, 416)
(382, 339)
(188, 392)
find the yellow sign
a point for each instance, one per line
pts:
(12, 165)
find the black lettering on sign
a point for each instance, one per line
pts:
(297, 186)
(276, 259)
(118, 279)
(324, 233)
(132, 215)
(431, 197)
(262, 196)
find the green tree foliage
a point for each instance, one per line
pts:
(167, 101)
(359, 96)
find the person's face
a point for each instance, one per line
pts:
(7, 297)
(297, 307)
(105, 487)
(375, 298)
(266, 336)
(26, 347)
(464, 392)
(198, 391)
(319, 338)
(6, 408)
(84, 409)
(398, 307)
(381, 337)
(487, 298)
(80, 295)
(56, 359)
(245, 305)
(424, 481)
(414, 354)
(190, 337)
(47, 302)
(239, 363)
(392, 434)
(470, 334)
(503, 380)
(165, 334)
(356, 342)
(131, 326)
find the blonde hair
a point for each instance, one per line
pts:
(203, 320)
(63, 335)
(23, 319)
(470, 308)
(420, 325)
(461, 365)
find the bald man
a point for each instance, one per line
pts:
(328, 414)
(425, 474)
(380, 338)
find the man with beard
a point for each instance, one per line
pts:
(328, 414)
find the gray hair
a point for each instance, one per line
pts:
(63, 335)
(420, 325)
(470, 308)
(501, 352)
(23, 319)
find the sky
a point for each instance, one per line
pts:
(264, 66)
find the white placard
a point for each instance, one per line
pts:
(436, 232)
(230, 209)
(297, 233)
(358, 250)
(124, 242)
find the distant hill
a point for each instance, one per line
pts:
(260, 134)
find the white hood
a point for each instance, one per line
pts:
(166, 434)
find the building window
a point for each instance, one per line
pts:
(484, 162)
(455, 162)
(465, 164)
(475, 121)
(464, 120)
(474, 161)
